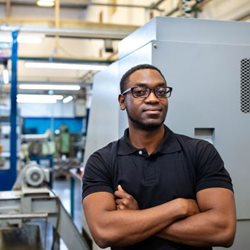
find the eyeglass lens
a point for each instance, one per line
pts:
(145, 92)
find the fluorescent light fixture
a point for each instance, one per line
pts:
(6, 78)
(4, 46)
(6, 38)
(45, 3)
(49, 87)
(29, 98)
(22, 38)
(37, 101)
(70, 66)
(34, 38)
(68, 99)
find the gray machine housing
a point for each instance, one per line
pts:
(207, 64)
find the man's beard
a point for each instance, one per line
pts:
(151, 126)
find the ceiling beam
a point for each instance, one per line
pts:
(65, 60)
(68, 28)
(8, 8)
(86, 4)
(69, 5)
(153, 6)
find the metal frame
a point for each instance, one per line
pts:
(19, 206)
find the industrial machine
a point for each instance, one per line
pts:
(32, 175)
(5, 135)
(30, 209)
(6, 172)
(30, 200)
(20, 207)
(207, 64)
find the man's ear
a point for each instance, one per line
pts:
(121, 99)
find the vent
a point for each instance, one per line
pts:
(245, 85)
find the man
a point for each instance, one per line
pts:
(154, 189)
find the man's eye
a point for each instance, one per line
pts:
(140, 92)
(161, 91)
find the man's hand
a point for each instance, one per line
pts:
(125, 201)
(110, 220)
(189, 205)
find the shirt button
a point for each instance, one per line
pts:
(140, 152)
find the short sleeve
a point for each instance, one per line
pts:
(210, 168)
(97, 175)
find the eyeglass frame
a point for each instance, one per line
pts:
(150, 91)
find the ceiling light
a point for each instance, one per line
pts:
(6, 78)
(68, 99)
(34, 38)
(27, 98)
(49, 87)
(22, 38)
(70, 66)
(45, 3)
(36, 101)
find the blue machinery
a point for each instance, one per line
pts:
(8, 176)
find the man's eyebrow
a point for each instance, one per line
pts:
(143, 84)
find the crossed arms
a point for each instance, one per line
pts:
(116, 220)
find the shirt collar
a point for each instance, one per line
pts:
(169, 144)
(125, 147)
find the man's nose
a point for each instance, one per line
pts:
(152, 97)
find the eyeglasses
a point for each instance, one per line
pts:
(144, 92)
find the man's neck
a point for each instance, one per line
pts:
(149, 140)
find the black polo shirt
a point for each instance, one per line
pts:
(179, 168)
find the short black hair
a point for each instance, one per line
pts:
(127, 74)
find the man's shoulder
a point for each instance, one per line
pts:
(107, 150)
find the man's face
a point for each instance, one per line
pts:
(146, 113)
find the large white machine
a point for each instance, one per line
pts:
(208, 65)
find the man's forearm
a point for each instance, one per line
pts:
(208, 228)
(213, 225)
(126, 227)
(112, 227)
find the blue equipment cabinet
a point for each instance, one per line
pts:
(8, 176)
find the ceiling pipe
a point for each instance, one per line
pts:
(8, 8)
(64, 60)
(202, 3)
(33, 4)
(198, 5)
(57, 23)
(119, 5)
(171, 12)
(154, 6)
(87, 4)
(71, 33)
(245, 17)
(57, 14)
